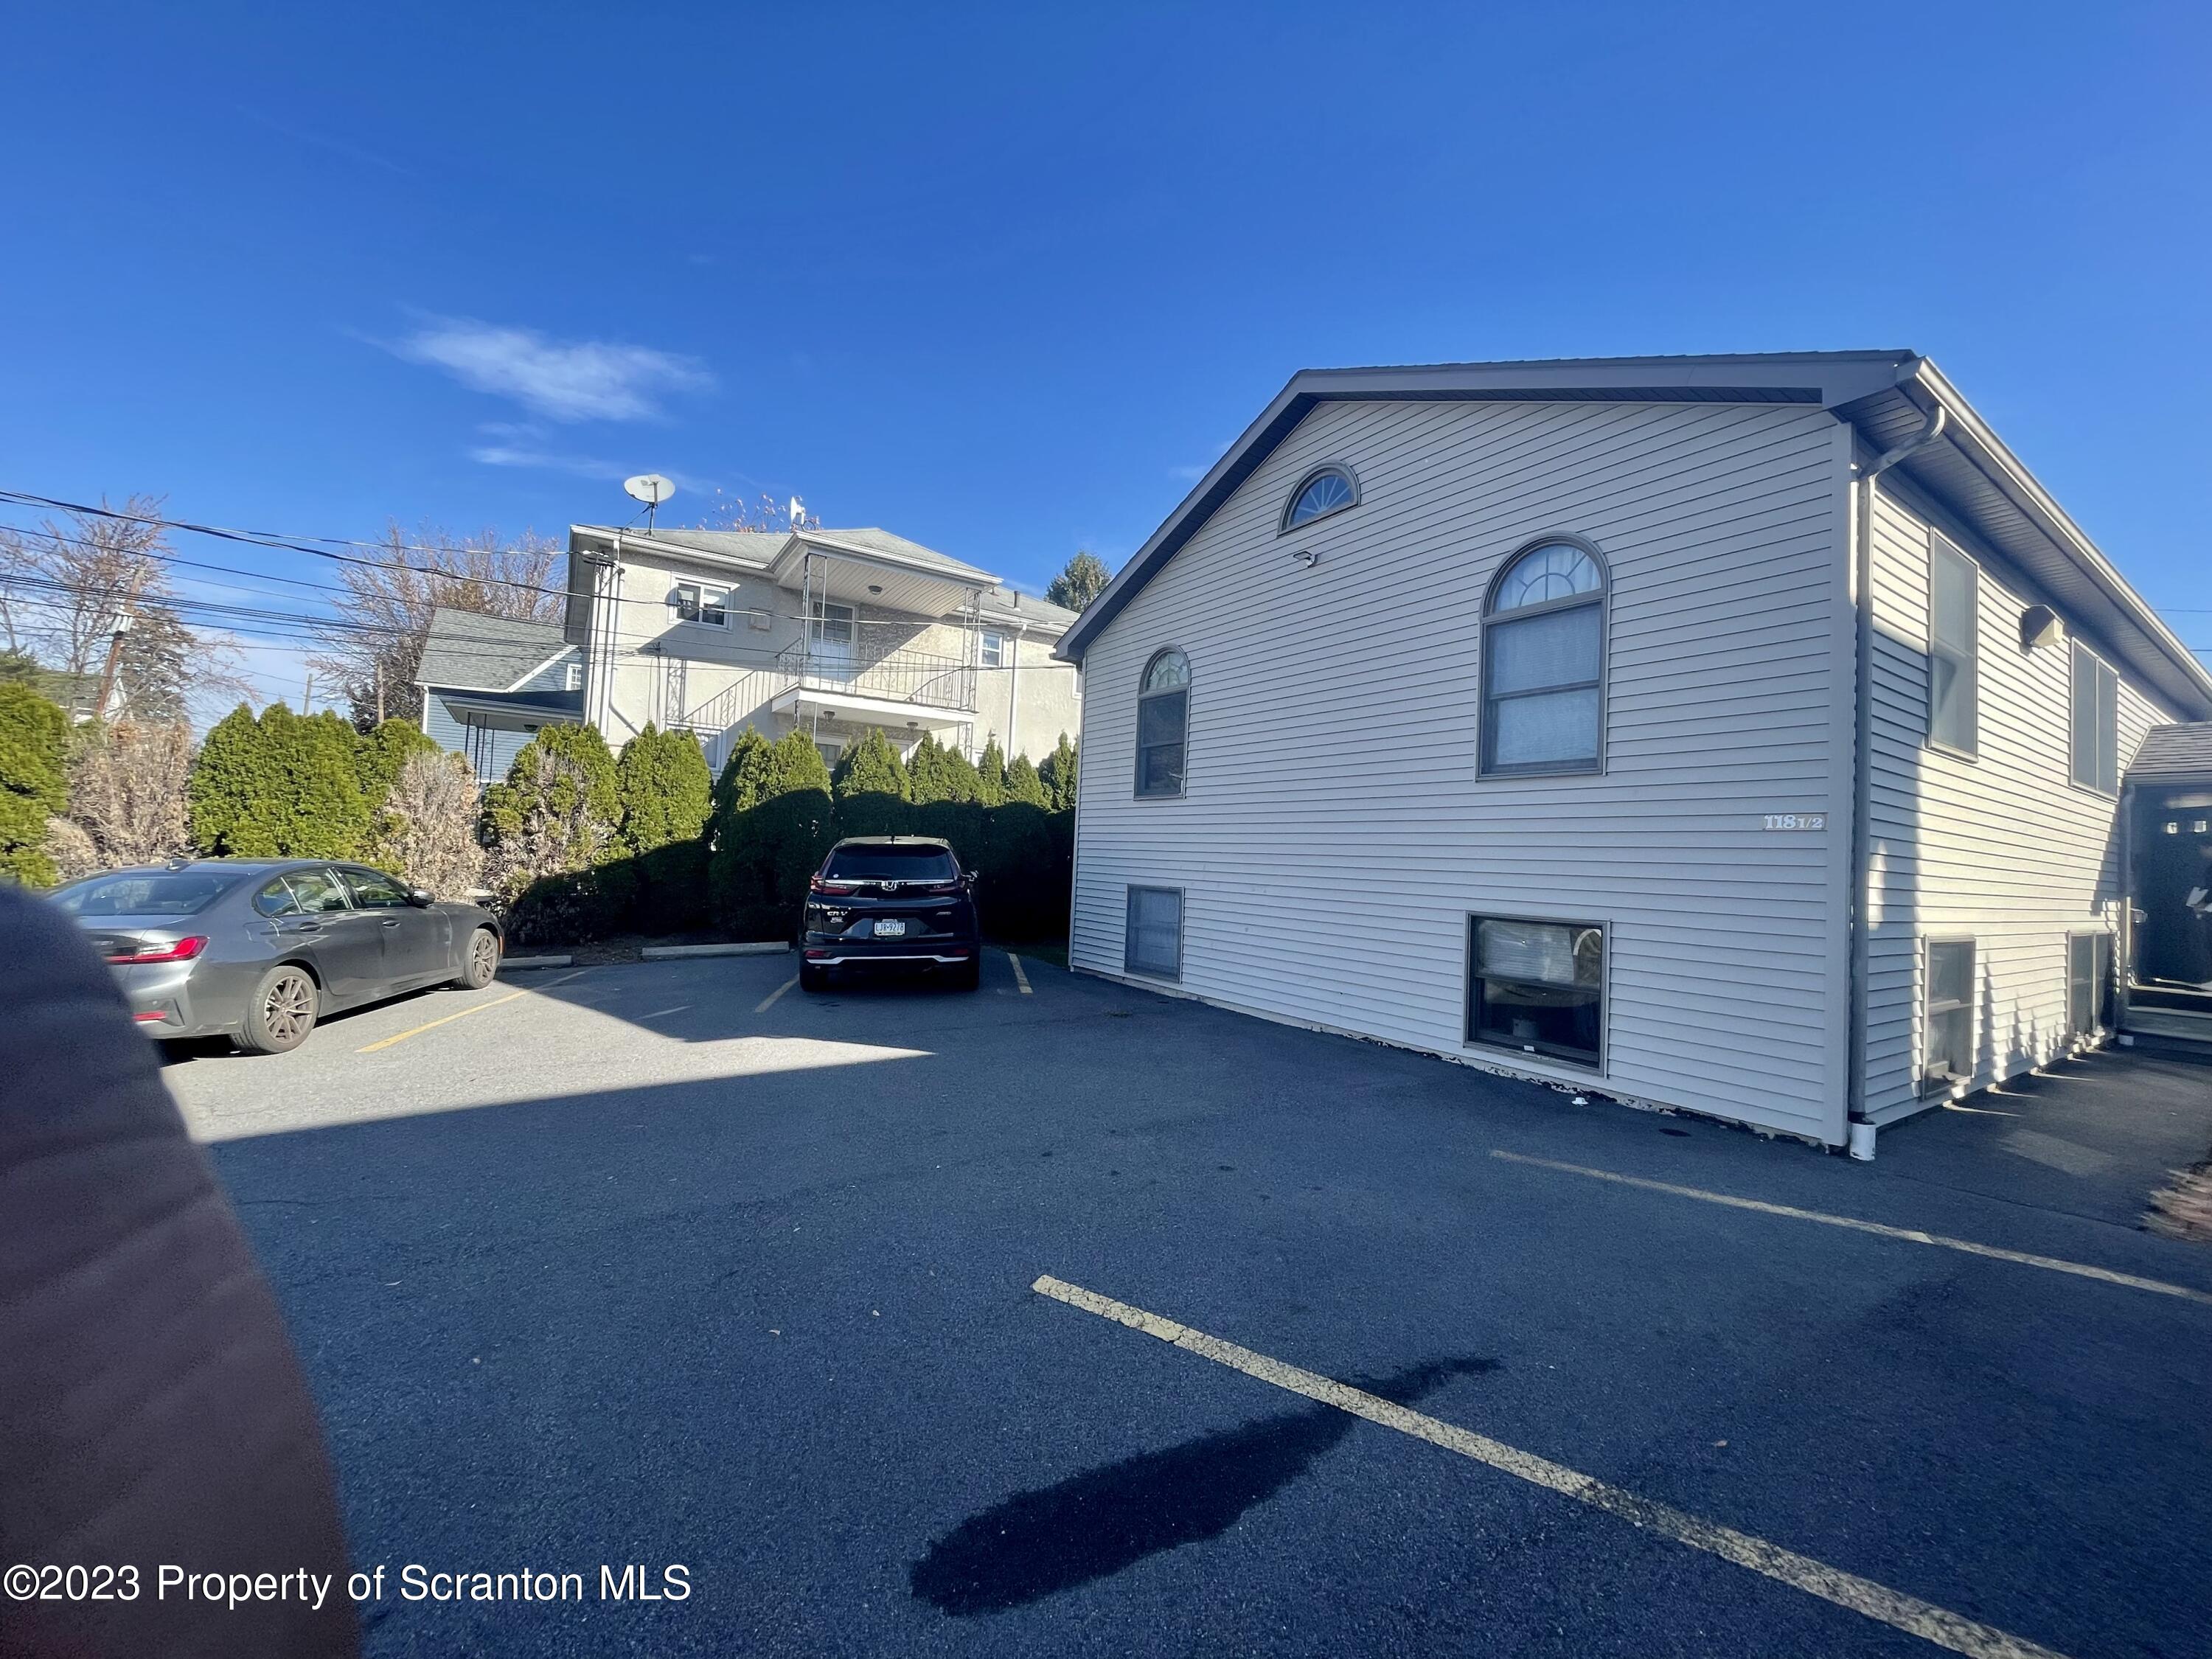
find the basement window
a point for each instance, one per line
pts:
(1152, 942)
(2088, 982)
(1947, 1039)
(1538, 988)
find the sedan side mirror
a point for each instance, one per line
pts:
(421, 897)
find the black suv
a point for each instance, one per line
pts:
(891, 904)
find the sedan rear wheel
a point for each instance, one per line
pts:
(280, 1012)
(482, 962)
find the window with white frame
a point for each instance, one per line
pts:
(1152, 942)
(1953, 649)
(573, 679)
(831, 624)
(2088, 982)
(2096, 722)
(994, 650)
(1946, 1046)
(693, 602)
(1163, 723)
(1538, 987)
(1543, 663)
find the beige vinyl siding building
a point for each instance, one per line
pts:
(1353, 846)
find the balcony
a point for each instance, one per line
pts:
(828, 679)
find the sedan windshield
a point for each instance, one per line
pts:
(146, 893)
(918, 863)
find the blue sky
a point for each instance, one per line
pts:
(1005, 280)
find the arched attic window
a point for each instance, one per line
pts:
(1543, 663)
(1324, 491)
(1163, 723)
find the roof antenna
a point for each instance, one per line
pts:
(651, 488)
(798, 513)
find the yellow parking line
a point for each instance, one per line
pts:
(769, 1001)
(2051, 1263)
(436, 1023)
(1909, 1613)
(1020, 978)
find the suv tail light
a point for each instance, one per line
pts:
(183, 950)
(822, 884)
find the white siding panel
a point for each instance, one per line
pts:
(2000, 847)
(1335, 837)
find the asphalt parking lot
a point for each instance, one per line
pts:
(669, 1264)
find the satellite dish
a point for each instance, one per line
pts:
(651, 488)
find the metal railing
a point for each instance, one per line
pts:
(914, 677)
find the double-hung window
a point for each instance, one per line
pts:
(1162, 724)
(1543, 664)
(1953, 659)
(2096, 722)
(1152, 944)
(2088, 982)
(1538, 987)
(994, 650)
(1947, 1016)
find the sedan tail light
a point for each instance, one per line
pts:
(183, 950)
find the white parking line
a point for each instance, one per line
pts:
(1861, 1595)
(680, 1008)
(1020, 978)
(769, 1001)
(2050, 1263)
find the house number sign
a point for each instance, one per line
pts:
(1794, 821)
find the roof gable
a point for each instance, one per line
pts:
(466, 651)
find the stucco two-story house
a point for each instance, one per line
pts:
(1749, 735)
(833, 631)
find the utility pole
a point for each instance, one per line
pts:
(307, 697)
(380, 694)
(114, 657)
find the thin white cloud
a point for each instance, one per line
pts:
(559, 379)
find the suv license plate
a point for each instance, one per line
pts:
(891, 930)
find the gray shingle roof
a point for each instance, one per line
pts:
(2179, 753)
(757, 547)
(886, 545)
(1004, 604)
(487, 653)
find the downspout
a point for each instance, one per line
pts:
(1014, 693)
(1862, 1131)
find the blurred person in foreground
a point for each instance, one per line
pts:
(152, 1412)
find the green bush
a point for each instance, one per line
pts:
(991, 772)
(1058, 776)
(281, 786)
(34, 781)
(1023, 787)
(870, 787)
(378, 755)
(765, 852)
(549, 827)
(937, 773)
(667, 795)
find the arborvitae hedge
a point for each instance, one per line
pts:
(991, 772)
(1023, 787)
(1058, 776)
(281, 786)
(549, 827)
(764, 852)
(870, 787)
(667, 795)
(34, 781)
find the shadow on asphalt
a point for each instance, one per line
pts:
(1095, 1524)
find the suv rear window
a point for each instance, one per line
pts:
(147, 893)
(917, 863)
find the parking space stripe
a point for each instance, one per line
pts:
(769, 1001)
(403, 1037)
(1020, 978)
(2049, 1263)
(1901, 1611)
(680, 1008)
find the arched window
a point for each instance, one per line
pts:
(1324, 491)
(1163, 723)
(1543, 663)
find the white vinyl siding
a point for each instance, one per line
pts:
(1997, 847)
(1335, 742)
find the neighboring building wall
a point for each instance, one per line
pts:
(1335, 837)
(1050, 703)
(2002, 847)
(491, 750)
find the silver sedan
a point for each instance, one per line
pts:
(256, 950)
